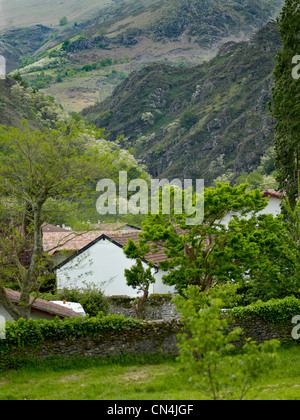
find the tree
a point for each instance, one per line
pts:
(246, 249)
(63, 21)
(36, 166)
(137, 276)
(292, 236)
(65, 45)
(205, 352)
(286, 103)
(188, 119)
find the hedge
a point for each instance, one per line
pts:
(274, 310)
(31, 333)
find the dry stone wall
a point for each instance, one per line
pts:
(148, 337)
(157, 307)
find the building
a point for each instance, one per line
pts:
(273, 207)
(102, 262)
(41, 309)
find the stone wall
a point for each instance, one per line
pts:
(149, 337)
(157, 307)
(261, 331)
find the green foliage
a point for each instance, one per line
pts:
(227, 292)
(39, 107)
(63, 21)
(205, 353)
(188, 119)
(292, 237)
(248, 249)
(106, 117)
(65, 45)
(36, 166)
(286, 103)
(91, 298)
(19, 79)
(139, 277)
(264, 176)
(32, 333)
(274, 310)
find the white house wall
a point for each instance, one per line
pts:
(273, 207)
(103, 265)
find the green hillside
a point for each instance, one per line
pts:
(202, 121)
(20, 13)
(18, 104)
(134, 33)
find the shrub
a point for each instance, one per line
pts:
(206, 353)
(91, 298)
(274, 310)
(63, 21)
(33, 333)
(188, 119)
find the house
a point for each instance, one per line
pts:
(98, 258)
(273, 207)
(102, 262)
(41, 309)
(47, 227)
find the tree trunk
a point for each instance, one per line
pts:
(8, 305)
(29, 275)
(139, 305)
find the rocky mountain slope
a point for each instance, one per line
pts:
(18, 103)
(198, 122)
(130, 34)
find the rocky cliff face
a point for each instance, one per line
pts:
(22, 42)
(198, 122)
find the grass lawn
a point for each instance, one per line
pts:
(136, 378)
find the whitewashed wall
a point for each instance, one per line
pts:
(273, 207)
(103, 264)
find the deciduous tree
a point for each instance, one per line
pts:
(234, 243)
(36, 166)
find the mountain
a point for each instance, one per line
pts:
(94, 55)
(18, 103)
(22, 42)
(17, 13)
(198, 122)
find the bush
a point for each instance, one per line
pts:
(91, 298)
(63, 21)
(33, 333)
(188, 119)
(275, 310)
(208, 356)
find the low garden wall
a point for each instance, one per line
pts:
(158, 306)
(114, 334)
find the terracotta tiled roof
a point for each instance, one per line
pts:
(79, 241)
(273, 193)
(156, 257)
(73, 241)
(43, 306)
(47, 227)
